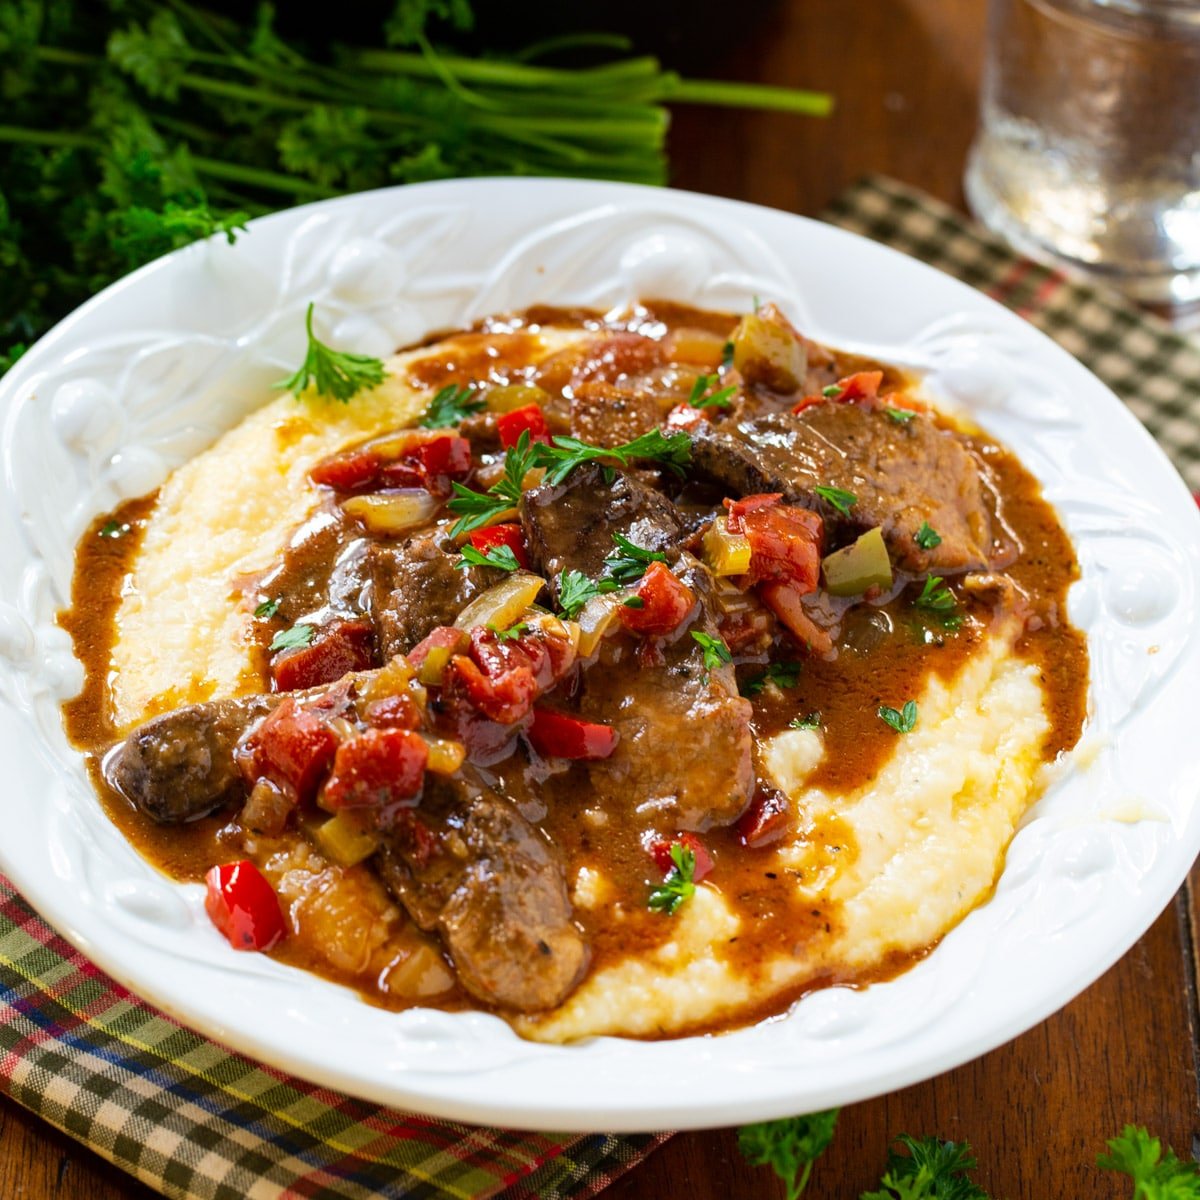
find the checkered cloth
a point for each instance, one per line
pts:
(198, 1122)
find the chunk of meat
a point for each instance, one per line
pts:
(494, 888)
(603, 414)
(684, 744)
(181, 765)
(901, 474)
(415, 587)
(570, 525)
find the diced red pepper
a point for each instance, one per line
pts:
(243, 906)
(431, 459)
(422, 845)
(293, 748)
(860, 388)
(379, 768)
(501, 535)
(443, 637)
(348, 472)
(785, 540)
(394, 712)
(660, 851)
(766, 819)
(556, 735)
(506, 697)
(666, 603)
(783, 599)
(339, 648)
(547, 657)
(748, 504)
(529, 418)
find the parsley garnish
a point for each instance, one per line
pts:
(727, 351)
(927, 537)
(834, 389)
(628, 563)
(112, 529)
(901, 416)
(789, 1147)
(931, 1170)
(268, 608)
(481, 508)
(450, 406)
(511, 633)
(904, 721)
(935, 597)
(634, 602)
(812, 721)
(1156, 1176)
(784, 675)
(333, 373)
(716, 653)
(575, 589)
(292, 639)
(678, 885)
(564, 454)
(494, 556)
(720, 399)
(841, 500)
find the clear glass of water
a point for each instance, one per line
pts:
(1088, 153)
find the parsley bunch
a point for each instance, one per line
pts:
(131, 127)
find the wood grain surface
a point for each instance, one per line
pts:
(905, 74)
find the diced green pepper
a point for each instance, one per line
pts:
(855, 568)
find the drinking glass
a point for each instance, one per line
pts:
(1088, 152)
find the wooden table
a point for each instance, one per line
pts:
(905, 73)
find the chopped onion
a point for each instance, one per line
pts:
(445, 757)
(501, 606)
(595, 619)
(392, 513)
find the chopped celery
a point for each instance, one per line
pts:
(855, 568)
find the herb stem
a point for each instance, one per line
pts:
(257, 177)
(736, 95)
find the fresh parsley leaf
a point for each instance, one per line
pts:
(841, 500)
(679, 884)
(334, 373)
(634, 602)
(450, 406)
(727, 352)
(564, 454)
(575, 589)
(292, 639)
(511, 633)
(789, 1147)
(268, 608)
(833, 389)
(628, 563)
(716, 653)
(901, 416)
(494, 556)
(782, 674)
(812, 721)
(1156, 1175)
(112, 529)
(478, 509)
(931, 1170)
(904, 721)
(927, 537)
(701, 398)
(935, 597)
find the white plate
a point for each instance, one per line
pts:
(151, 370)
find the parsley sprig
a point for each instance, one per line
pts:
(716, 653)
(703, 397)
(679, 885)
(782, 674)
(927, 537)
(268, 608)
(789, 1147)
(511, 633)
(902, 721)
(812, 721)
(294, 638)
(931, 1170)
(478, 509)
(935, 596)
(337, 374)
(450, 406)
(1156, 1175)
(838, 497)
(564, 454)
(494, 556)
(901, 416)
(628, 563)
(575, 589)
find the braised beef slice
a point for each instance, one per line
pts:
(570, 525)
(684, 749)
(180, 766)
(603, 414)
(415, 587)
(494, 888)
(902, 474)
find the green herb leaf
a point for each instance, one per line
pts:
(292, 639)
(931, 1170)
(812, 721)
(268, 608)
(482, 508)
(634, 602)
(494, 556)
(701, 398)
(716, 653)
(450, 406)
(935, 597)
(904, 721)
(783, 674)
(927, 537)
(901, 416)
(679, 884)
(789, 1147)
(727, 352)
(841, 500)
(564, 454)
(1155, 1175)
(333, 373)
(833, 389)
(628, 563)
(511, 633)
(575, 589)
(112, 529)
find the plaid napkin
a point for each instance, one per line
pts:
(198, 1122)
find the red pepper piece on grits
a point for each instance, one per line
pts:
(243, 906)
